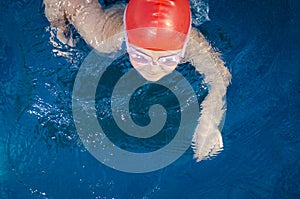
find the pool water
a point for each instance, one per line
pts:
(41, 155)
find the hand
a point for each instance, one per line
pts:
(55, 13)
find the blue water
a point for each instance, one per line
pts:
(41, 155)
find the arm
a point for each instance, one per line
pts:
(55, 14)
(92, 22)
(207, 139)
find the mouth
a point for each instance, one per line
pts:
(152, 77)
(151, 74)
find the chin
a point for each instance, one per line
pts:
(152, 78)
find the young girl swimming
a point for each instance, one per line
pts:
(158, 37)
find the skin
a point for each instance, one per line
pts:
(96, 25)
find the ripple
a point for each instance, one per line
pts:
(200, 11)
(287, 185)
(261, 153)
(3, 163)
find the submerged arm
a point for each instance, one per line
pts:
(55, 13)
(207, 139)
(93, 23)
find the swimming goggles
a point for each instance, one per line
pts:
(144, 59)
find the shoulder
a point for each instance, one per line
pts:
(196, 46)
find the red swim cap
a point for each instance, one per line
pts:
(158, 24)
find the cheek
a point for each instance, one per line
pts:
(135, 64)
(168, 70)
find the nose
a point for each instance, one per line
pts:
(154, 61)
(154, 67)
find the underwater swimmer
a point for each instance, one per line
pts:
(158, 37)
